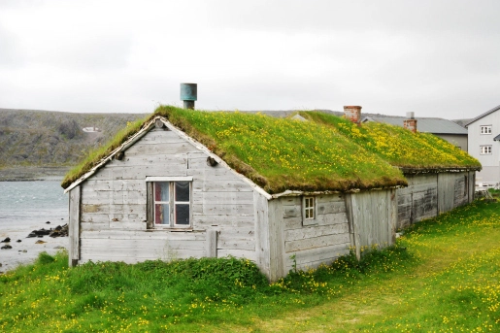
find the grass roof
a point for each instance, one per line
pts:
(327, 153)
(398, 146)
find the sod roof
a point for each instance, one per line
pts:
(398, 146)
(324, 154)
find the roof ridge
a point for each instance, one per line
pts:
(496, 108)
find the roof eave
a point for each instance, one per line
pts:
(409, 170)
(295, 193)
(146, 128)
(483, 115)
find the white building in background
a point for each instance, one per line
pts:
(484, 137)
(91, 129)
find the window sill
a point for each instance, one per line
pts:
(306, 223)
(174, 229)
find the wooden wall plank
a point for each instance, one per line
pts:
(74, 225)
(354, 237)
(206, 221)
(224, 198)
(228, 209)
(93, 226)
(276, 240)
(446, 192)
(317, 242)
(166, 235)
(211, 244)
(314, 257)
(419, 200)
(393, 216)
(262, 244)
(472, 184)
(371, 214)
(315, 231)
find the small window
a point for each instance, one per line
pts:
(309, 212)
(170, 204)
(486, 150)
(485, 129)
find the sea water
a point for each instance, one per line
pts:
(29, 205)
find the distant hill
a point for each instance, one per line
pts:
(30, 138)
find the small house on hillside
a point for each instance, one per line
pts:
(192, 184)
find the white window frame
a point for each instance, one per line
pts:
(485, 129)
(486, 150)
(172, 202)
(309, 210)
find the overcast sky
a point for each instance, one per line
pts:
(436, 58)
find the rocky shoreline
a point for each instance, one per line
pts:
(22, 247)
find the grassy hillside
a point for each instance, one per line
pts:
(443, 276)
(43, 138)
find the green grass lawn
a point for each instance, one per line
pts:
(442, 276)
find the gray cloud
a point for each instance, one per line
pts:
(326, 16)
(10, 55)
(97, 53)
(437, 58)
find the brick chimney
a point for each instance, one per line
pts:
(410, 123)
(353, 113)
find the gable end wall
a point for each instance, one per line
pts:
(113, 210)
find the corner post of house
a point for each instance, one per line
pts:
(262, 243)
(353, 230)
(393, 215)
(472, 185)
(74, 226)
(276, 241)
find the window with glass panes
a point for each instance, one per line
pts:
(485, 129)
(486, 150)
(171, 203)
(309, 208)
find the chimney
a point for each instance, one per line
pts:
(353, 113)
(410, 123)
(189, 94)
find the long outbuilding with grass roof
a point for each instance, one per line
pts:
(284, 193)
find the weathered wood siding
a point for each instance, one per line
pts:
(373, 217)
(472, 184)
(114, 206)
(428, 195)
(419, 200)
(74, 226)
(321, 241)
(453, 190)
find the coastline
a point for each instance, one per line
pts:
(17, 222)
(26, 251)
(32, 173)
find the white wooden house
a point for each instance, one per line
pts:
(163, 195)
(484, 137)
